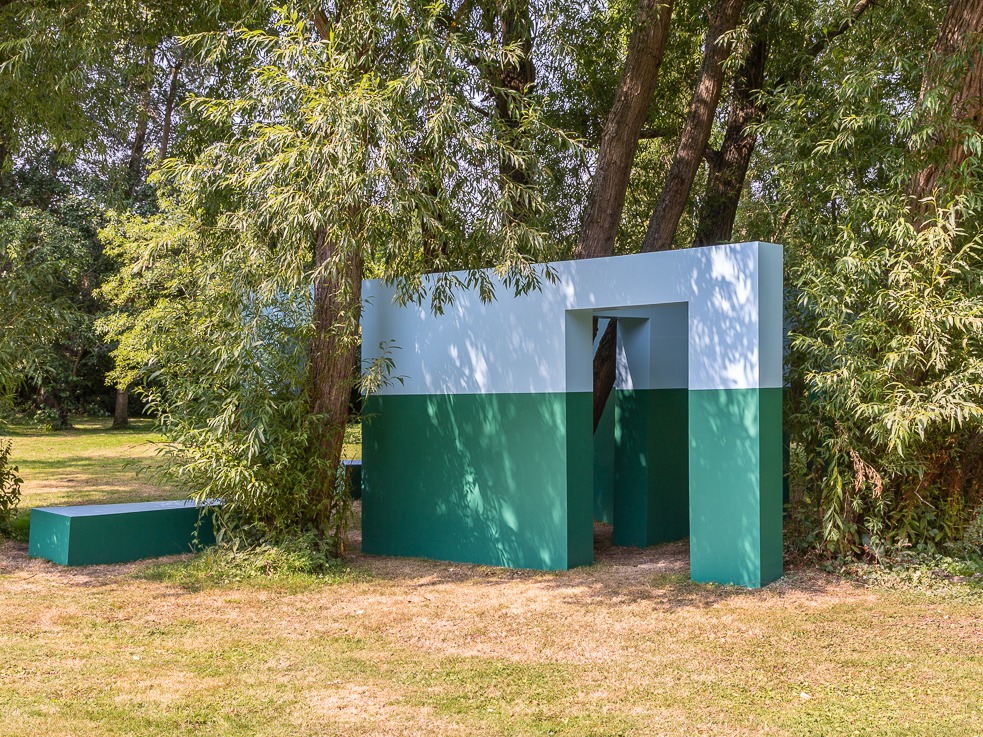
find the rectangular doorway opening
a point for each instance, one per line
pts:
(641, 448)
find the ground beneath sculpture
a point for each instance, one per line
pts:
(405, 647)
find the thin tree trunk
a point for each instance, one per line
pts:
(960, 33)
(334, 352)
(165, 132)
(134, 166)
(696, 131)
(121, 414)
(727, 168)
(50, 400)
(4, 151)
(619, 139)
(516, 77)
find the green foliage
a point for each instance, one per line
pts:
(366, 139)
(48, 265)
(295, 564)
(10, 484)
(223, 371)
(884, 305)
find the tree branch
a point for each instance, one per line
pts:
(828, 35)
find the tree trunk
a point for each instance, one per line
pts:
(4, 151)
(509, 22)
(165, 131)
(727, 168)
(51, 401)
(121, 415)
(960, 33)
(619, 139)
(334, 350)
(517, 76)
(605, 368)
(696, 131)
(134, 166)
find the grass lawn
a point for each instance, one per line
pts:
(406, 647)
(91, 464)
(88, 464)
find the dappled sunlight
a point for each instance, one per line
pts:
(483, 452)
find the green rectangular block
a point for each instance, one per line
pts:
(735, 471)
(117, 533)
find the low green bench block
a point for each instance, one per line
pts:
(118, 533)
(354, 469)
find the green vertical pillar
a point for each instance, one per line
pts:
(579, 477)
(735, 469)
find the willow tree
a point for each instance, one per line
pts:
(354, 146)
(870, 175)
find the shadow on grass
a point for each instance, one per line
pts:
(80, 428)
(83, 464)
(657, 576)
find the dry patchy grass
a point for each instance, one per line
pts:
(625, 647)
(406, 647)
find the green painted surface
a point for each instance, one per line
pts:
(77, 536)
(651, 484)
(580, 470)
(354, 469)
(49, 536)
(604, 464)
(735, 472)
(480, 478)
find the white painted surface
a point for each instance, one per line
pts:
(542, 342)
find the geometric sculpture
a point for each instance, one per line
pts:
(484, 452)
(93, 534)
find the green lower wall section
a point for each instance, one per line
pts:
(481, 478)
(651, 482)
(735, 470)
(508, 479)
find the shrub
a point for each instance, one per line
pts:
(9, 490)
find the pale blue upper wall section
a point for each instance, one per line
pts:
(541, 341)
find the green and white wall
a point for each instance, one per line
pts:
(484, 452)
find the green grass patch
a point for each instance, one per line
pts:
(20, 527)
(88, 464)
(940, 575)
(287, 568)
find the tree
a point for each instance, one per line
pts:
(696, 132)
(47, 266)
(622, 130)
(93, 90)
(885, 394)
(349, 129)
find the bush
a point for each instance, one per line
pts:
(294, 564)
(9, 490)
